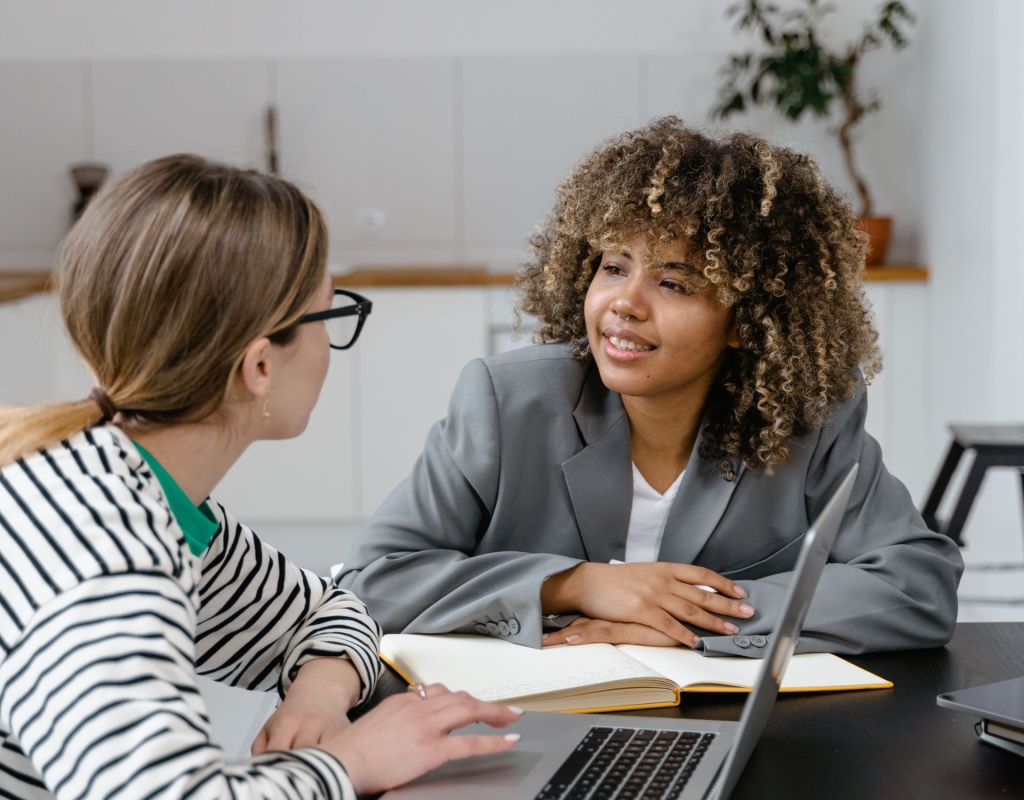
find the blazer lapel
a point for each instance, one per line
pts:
(699, 504)
(600, 476)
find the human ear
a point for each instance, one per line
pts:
(733, 337)
(255, 371)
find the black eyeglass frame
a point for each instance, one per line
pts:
(362, 307)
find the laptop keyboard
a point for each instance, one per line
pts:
(628, 764)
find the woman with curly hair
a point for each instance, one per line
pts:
(699, 394)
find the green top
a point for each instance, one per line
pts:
(196, 522)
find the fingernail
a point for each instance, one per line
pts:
(746, 610)
(515, 709)
(546, 637)
(730, 628)
(572, 637)
(511, 737)
(739, 590)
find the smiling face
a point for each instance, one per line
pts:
(653, 333)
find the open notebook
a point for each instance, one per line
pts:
(599, 677)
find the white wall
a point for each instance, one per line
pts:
(972, 171)
(521, 89)
(45, 29)
(583, 70)
(1006, 327)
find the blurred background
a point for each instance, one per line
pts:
(433, 135)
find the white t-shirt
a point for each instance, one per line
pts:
(648, 517)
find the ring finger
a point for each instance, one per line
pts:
(428, 691)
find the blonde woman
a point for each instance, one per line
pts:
(198, 296)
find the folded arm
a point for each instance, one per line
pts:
(414, 566)
(890, 583)
(262, 617)
(100, 695)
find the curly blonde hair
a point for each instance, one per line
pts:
(773, 241)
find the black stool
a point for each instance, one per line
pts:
(994, 446)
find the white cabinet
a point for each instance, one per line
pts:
(412, 351)
(380, 399)
(378, 402)
(37, 363)
(42, 132)
(526, 120)
(313, 476)
(144, 109)
(898, 399)
(374, 141)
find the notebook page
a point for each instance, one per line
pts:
(491, 669)
(808, 671)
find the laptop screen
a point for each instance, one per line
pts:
(813, 556)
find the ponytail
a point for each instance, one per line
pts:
(25, 430)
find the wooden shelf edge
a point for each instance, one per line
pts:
(411, 276)
(896, 272)
(18, 284)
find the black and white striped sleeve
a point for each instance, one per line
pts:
(262, 617)
(100, 694)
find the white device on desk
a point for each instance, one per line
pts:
(613, 756)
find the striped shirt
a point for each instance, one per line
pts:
(106, 617)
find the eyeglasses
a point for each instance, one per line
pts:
(344, 319)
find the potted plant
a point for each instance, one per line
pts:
(797, 73)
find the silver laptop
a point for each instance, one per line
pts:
(999, 708)
(589, 756)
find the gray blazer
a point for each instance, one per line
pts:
(530, 473)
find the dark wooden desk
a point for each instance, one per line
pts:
(889, 743)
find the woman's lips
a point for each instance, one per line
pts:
(625, 346)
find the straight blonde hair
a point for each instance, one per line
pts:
(168, 276)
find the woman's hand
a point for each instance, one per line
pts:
(584, 630)
(658, 595)
(315, 707)
(407, 735)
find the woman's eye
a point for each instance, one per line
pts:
(613, 269)
(676, 286)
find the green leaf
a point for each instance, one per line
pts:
(731, 106)
(841, 73)
(791, 67)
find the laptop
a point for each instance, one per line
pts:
(1000, 707)
(589, 756)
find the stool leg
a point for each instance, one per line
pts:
(967, 495)
(1022, 486)
(946, 471)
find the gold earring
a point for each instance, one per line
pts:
(266, 413)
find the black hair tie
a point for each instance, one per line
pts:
(100, 398)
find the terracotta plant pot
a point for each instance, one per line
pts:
(878, 230)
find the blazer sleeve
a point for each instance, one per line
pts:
(262, 617)
(890, 583)
(415, 564)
